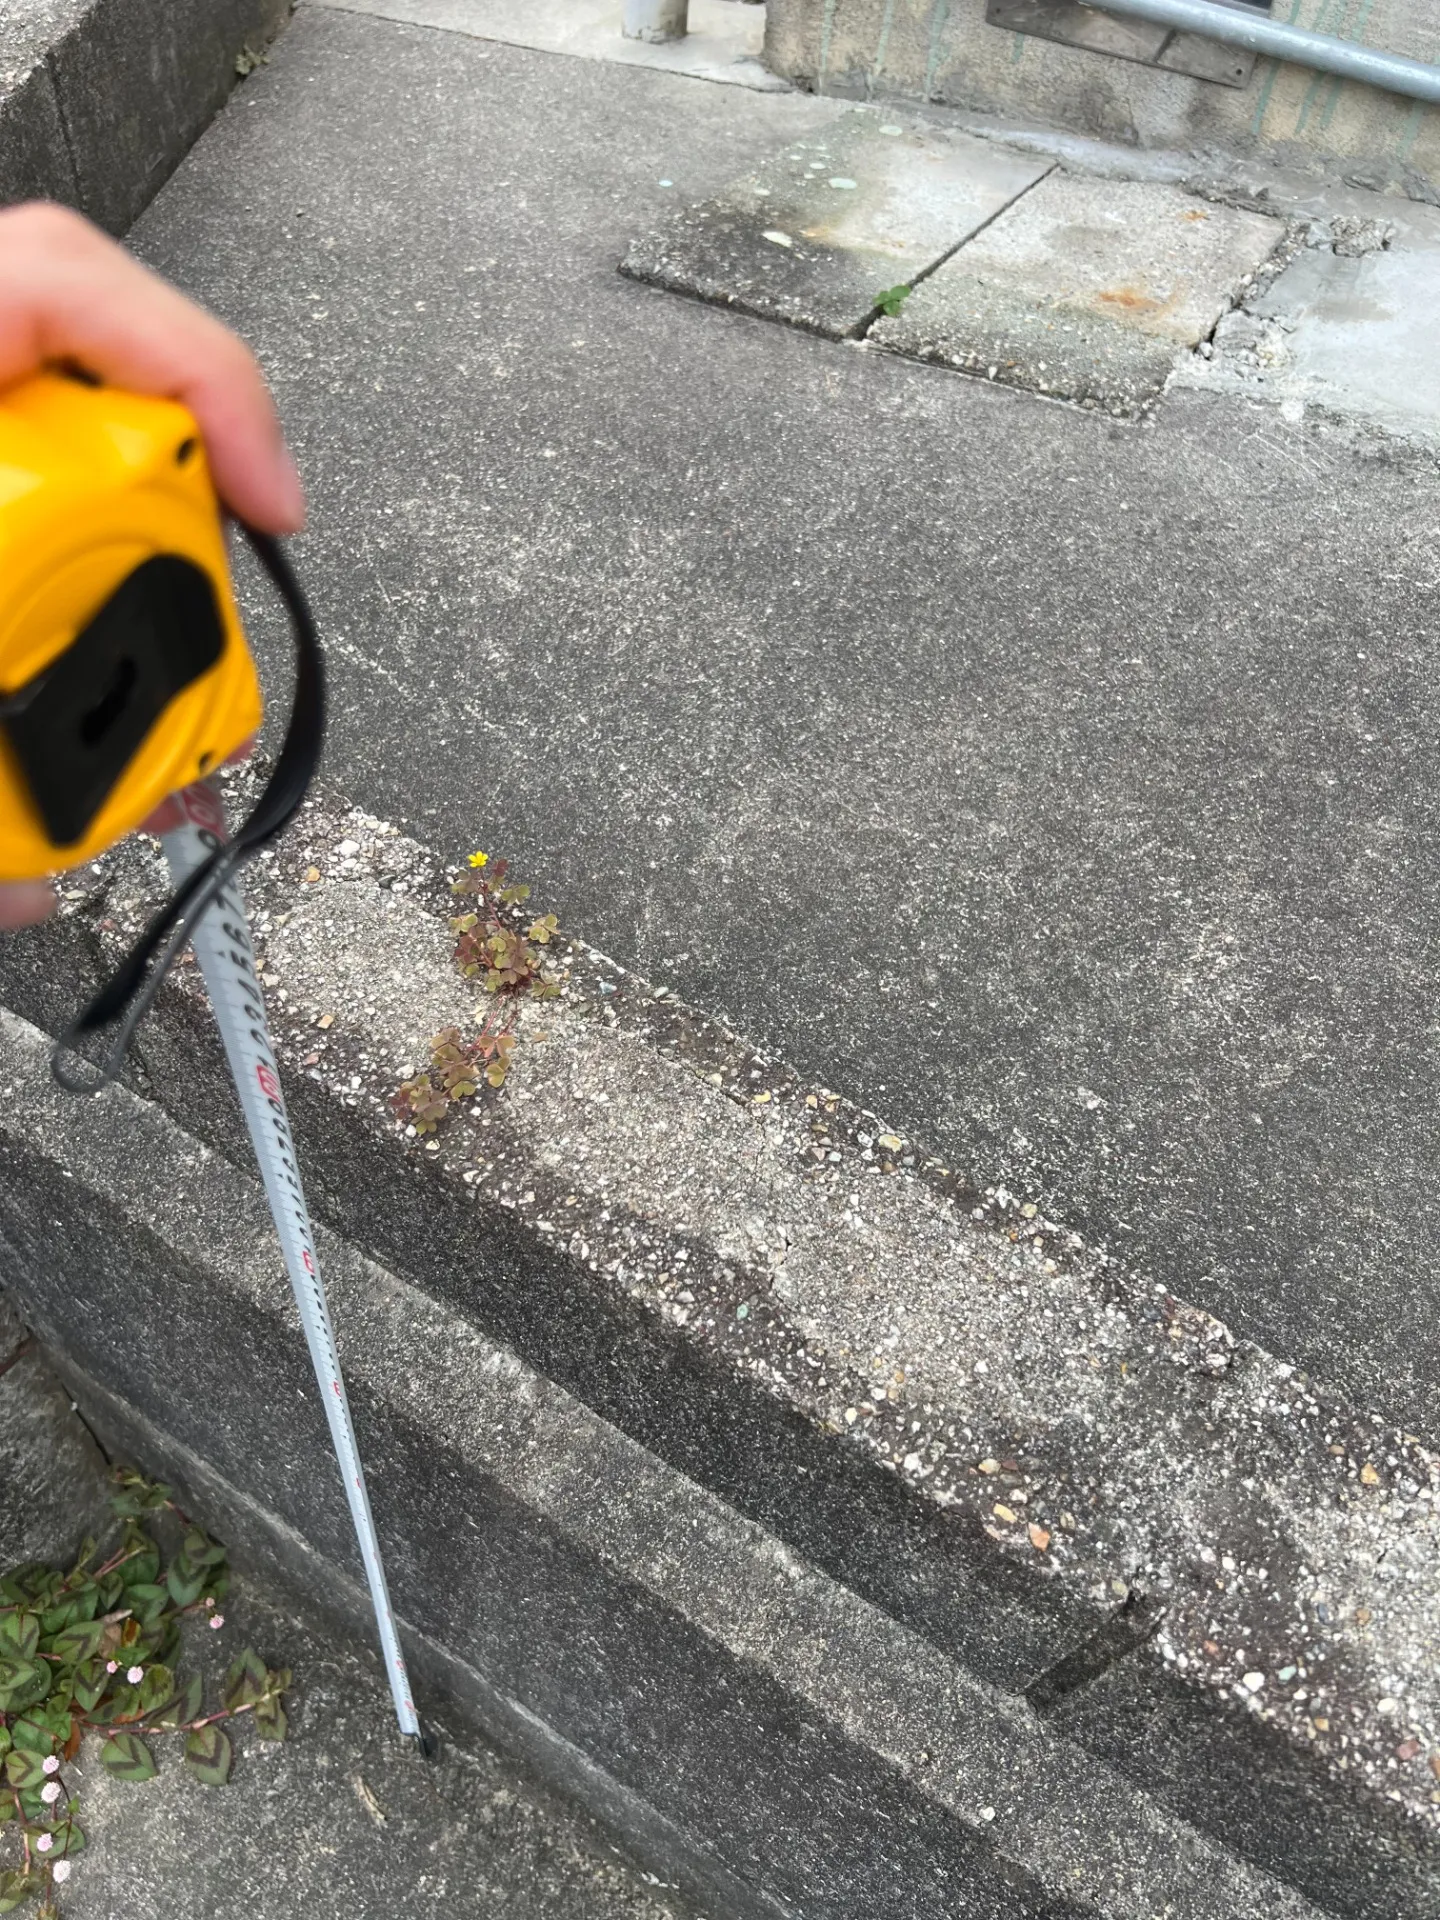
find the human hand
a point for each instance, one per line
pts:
(68, 293)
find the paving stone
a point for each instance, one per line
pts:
(1357, 334)
(827, 224)
(1087, 290)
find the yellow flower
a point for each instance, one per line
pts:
(479, 859)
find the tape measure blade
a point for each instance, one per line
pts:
(223, 948)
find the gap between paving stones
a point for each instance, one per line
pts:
(1081, 289)
(820, 229)
(1102, 279)
(930, 1391)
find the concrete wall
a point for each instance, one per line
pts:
(943, 50)
(100, 99)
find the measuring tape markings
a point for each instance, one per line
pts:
(226, 955)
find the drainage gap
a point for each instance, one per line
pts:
(1129, 1627)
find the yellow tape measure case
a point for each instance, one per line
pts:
(124, 671)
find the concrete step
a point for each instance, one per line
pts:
(340, 1821)
(99, 99)
(811, 1516)
(756, 1729)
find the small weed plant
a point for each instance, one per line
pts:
(509, 963)
(95, 1651)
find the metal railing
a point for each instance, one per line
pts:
(1238, 26)
(1241, 27)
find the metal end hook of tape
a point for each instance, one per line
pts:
(126, 996)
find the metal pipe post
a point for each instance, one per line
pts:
(655, 20)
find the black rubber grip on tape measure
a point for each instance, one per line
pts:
(126, 996)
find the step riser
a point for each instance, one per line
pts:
(107, 110)
(369, 941)
(821, 1754)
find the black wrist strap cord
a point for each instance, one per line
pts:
(126, 996)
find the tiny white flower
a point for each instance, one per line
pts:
(135, 1676)
(60, 1871)
(112, 1666)
(50, 1792)
(45, 1843)
(217, 1620)
(208, 1602)
(50, 1764)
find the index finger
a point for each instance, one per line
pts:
(68, 292)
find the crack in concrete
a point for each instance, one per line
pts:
(13, 1359)
(1129, 1627)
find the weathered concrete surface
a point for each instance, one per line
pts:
(341, 1823)
(820, 230)
(779, 1298)
(788, 1748)
(723, 43)
(52, 1486)
(1088, 290)
(35, 161)
(99, 99)
(1347, 329)
(1009, 768)
(944, 50)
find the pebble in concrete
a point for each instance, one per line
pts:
(1087, 289)
(827, 225)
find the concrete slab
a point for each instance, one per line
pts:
(819, 230)
(1347, 333)
(1012, 769)
(724, 42)
(1087, 290)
